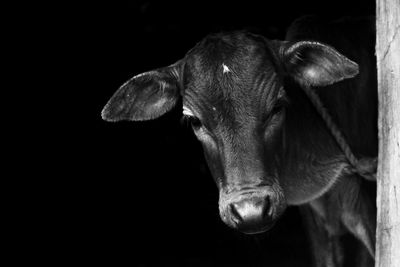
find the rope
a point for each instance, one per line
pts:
(366, 167)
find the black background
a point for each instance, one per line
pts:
(140, 193)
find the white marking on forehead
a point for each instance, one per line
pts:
(187, 112)
(225, 68)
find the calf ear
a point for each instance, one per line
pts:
(317, 64)
(145, 96)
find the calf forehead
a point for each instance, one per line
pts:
(223, 72)
(238, 55)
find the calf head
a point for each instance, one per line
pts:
(233, 94)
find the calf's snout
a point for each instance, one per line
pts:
(249, 212)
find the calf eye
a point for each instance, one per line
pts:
(273, 115)
(276, 109)
(189, 117)
(195, 122)
(192, 120)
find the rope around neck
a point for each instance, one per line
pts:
(365, 167)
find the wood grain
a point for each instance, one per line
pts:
(388, 199)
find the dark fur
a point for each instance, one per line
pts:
(265, 144)
(350, 204)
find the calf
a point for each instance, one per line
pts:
(264, 143)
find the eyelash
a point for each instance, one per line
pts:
(276, 110)
(193, 121)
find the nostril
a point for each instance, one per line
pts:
(267, 210)
(236, 218)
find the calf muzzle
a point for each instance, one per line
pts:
(249, 212)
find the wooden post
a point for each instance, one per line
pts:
(388, 178)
